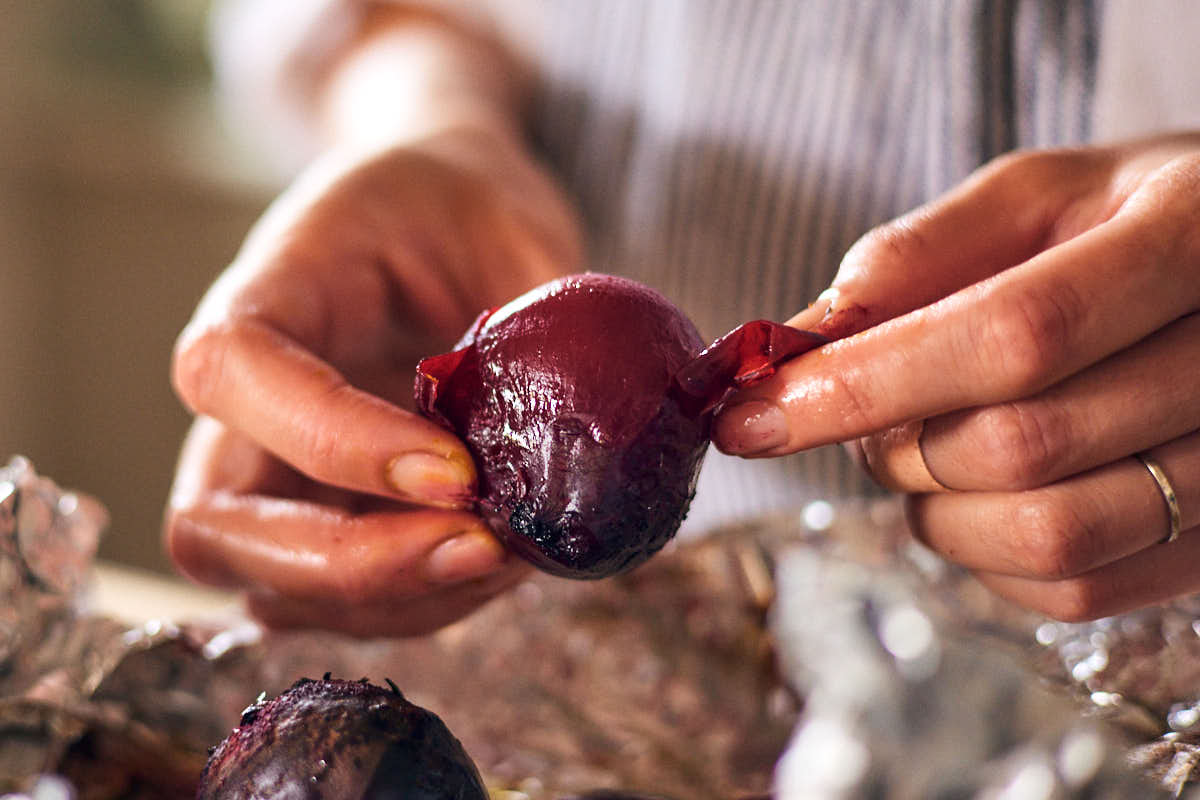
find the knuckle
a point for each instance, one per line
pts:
(1023, 171)
(1026, 337)
(1053, 542)
(1024, 444)
(469, 192)
(899, 243)
(1011, 165)
(320, 439)
(1178, 177)
(857, 407)
(1019, 170)
(1182, 187)
(1189, 173)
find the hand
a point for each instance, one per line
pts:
(1010, 347)
(305, 482)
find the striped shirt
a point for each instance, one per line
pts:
(729, 152)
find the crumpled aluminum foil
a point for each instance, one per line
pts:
(661, 680)
(58, 664)
(907, 697)
(821, 655)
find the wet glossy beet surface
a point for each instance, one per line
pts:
(587, 406)
(340, 740)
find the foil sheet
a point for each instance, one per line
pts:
(912, 690)
(817, 655)
(661, 681)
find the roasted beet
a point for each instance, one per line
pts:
(340, 740)
(587, 409)
(586, 464)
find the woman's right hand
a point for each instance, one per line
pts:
(306, 481)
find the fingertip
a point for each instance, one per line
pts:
(196, 361)
(470, 554)
(443, 480)
(750, 428)
(191, 550)
(816, 311)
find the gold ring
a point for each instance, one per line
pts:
(1168, 493)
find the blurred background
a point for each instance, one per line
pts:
(121, 198)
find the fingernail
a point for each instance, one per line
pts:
(431, 478)
(467, 555)
(816, 311)
(750, 428)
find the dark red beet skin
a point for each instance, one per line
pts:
(340, 740)
(587, 406)
(743, 357)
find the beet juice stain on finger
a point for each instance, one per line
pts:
(587, 405)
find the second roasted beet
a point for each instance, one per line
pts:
(586, 461)
(339, 740)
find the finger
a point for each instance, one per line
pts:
(259, 381)
(411, 617)
(1007, 337)
(1065, 529)
(304, 549)
(1150, 576)
(216, 458)
(1133, 400)
(1000, 216)
(221, 528)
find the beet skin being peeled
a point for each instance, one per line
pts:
(586, 404)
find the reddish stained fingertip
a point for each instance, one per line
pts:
(750, 428)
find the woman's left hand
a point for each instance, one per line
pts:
(1009, 351)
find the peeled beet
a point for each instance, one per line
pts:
(340, 740)
(587, 405)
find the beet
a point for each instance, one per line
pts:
(340, 740)
(587, 404)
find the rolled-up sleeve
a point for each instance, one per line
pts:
(269, 57)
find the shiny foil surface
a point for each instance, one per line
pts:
(817, 654)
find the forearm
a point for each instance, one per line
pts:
(409, 72)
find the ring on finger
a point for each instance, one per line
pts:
(1168, 493)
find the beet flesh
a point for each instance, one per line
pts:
(586, 464)
(340, 740)
(587, 405)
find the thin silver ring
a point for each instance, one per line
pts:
(1168, 493)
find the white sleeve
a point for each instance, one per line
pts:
(267, 53)
(257, 47)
